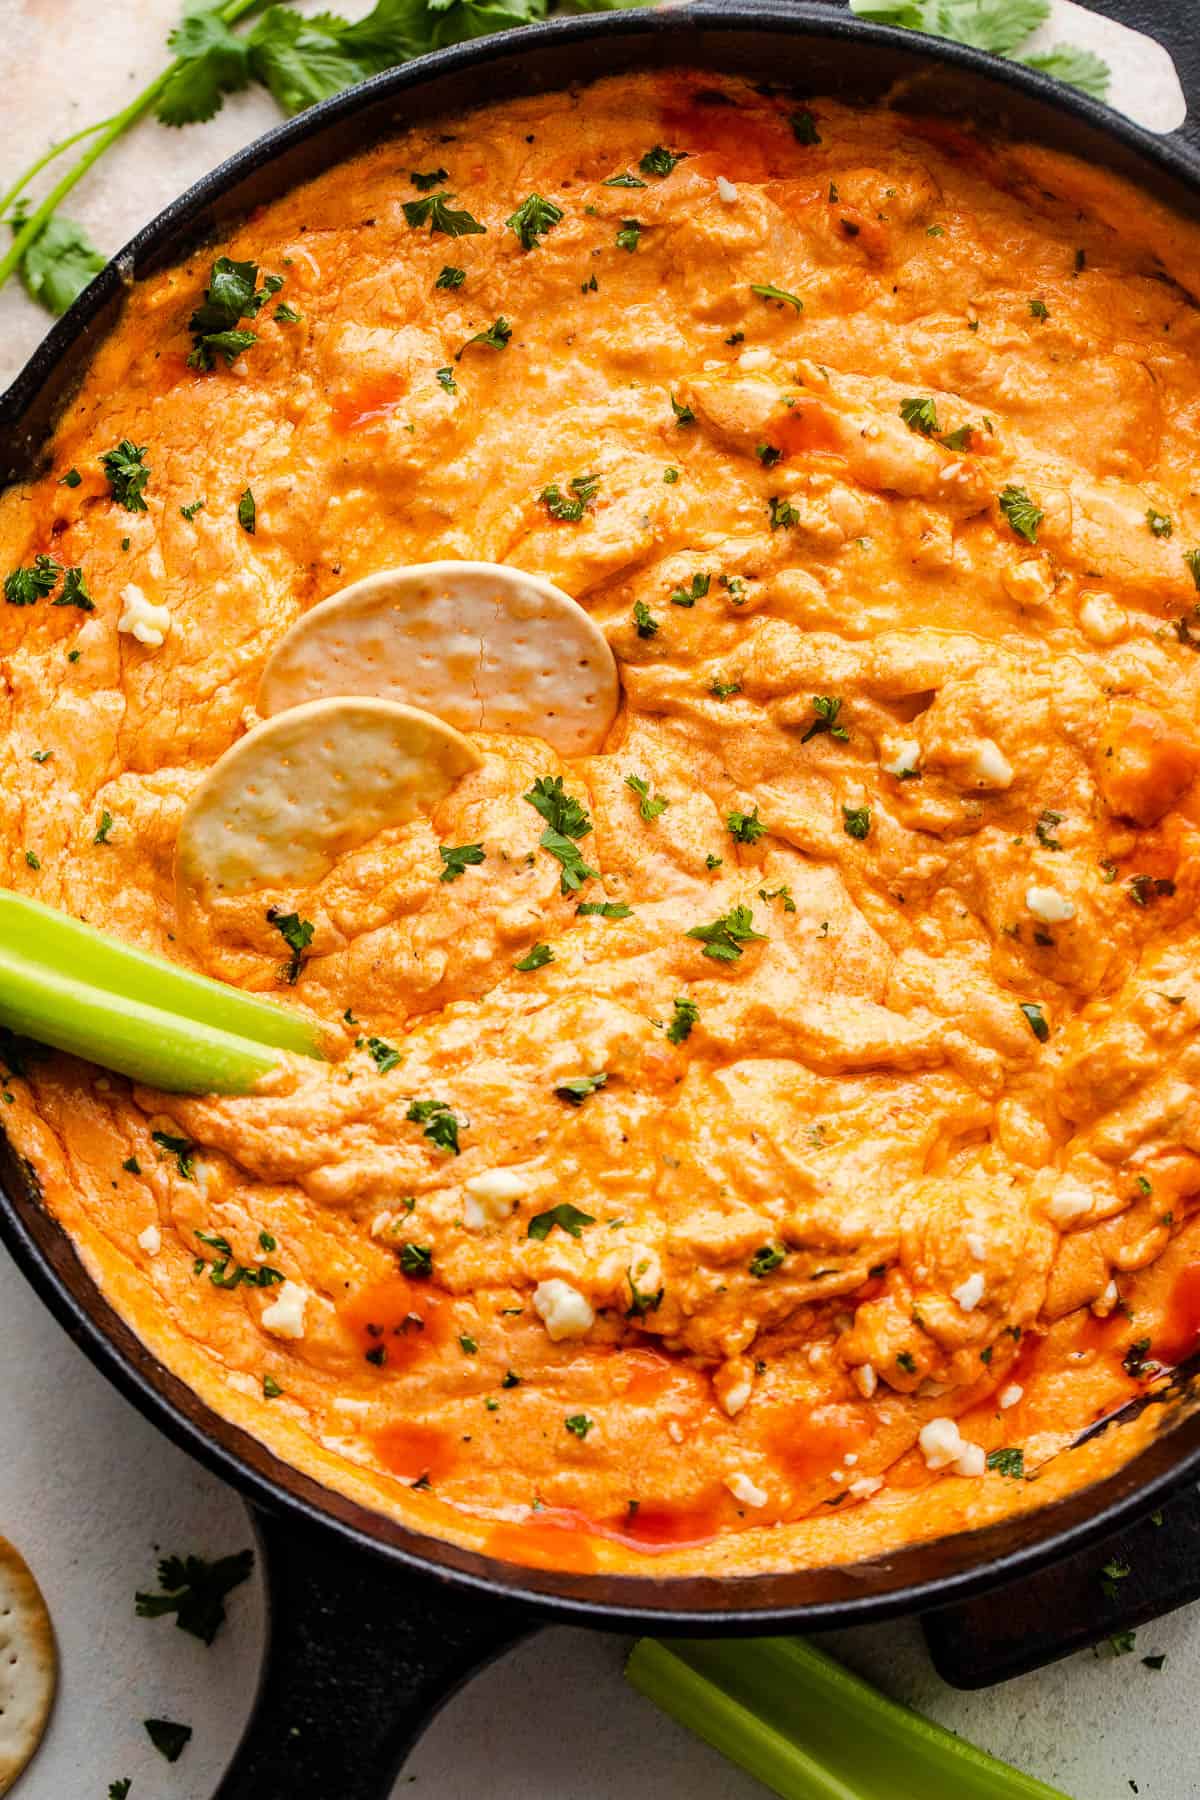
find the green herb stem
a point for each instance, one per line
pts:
(105, 134)
(22, 182)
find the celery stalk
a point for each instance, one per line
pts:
(811, 1730)
(137, 1040)
(40, 935)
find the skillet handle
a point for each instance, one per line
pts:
(359, 1656)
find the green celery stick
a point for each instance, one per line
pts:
(137, 1040)
(811, 1730)
(52, 939)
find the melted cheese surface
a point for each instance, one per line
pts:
(916, 1184)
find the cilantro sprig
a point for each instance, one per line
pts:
(1001, 26)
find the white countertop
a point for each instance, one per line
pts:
(92, 1494)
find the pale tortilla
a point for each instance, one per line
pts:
(28, 1665)
(486, 648)
(299, 791)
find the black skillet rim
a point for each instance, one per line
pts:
(917, 1576)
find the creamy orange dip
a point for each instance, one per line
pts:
(883, 442)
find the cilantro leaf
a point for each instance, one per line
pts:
(385, 1056)
(745, 828)
(74, 591)
(576, 1088)
(495, 338)
(435, 212)
(59, 263)
(826, 708)
(723, 939)
(578, 1424)
(458, 858)
(603, 909)
(1079, 68)
(856, 821)
(630, 235)
(232, 294)
(1021, 512)
(1009, 1462)
(247, 512)
(450, 277)
(25, 587)
(683, 1017)
(660, 161)
(1036, 1020)
(127, 472)
(297, 934)
(194, 1590)
(562, 811)
(688, 596)
(432, 178)
(568, 1218)
(570, 510)
(302, 60)
(766, 291)
(182, 1149)
(441, 1126)
(920, 415)
(766, 1260)
(644, 621)
(649, 806)
(169, 1739)
(416, 1260)
(212, 63)
(624, 181)
(533, 219)
(535, 958)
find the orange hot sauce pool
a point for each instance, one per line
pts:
(883, 437)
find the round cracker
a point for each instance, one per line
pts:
(485, 647)
(28, 1665)
(297, 792)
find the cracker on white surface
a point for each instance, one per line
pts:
(306, 787)
(485, 647)
(28, 1665)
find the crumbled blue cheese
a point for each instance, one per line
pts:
(944, 1447)
(906, 759)
(1047, 904)
(150, 1240)
(148, 623)
(565, 1312)
(969, 1293)
(989, 766)
(285, 1315)
(745, 1491)
(1069, 1202)
(1011, 1396)
(491, 1196)
(726, 191)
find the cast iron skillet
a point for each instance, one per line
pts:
(364, 1643)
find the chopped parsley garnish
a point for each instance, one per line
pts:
(1036, 1019)
(603, 909)
(458, 858)
(74, 591)
(644, 621)
(494, 338)
(767, 455)
(724, 690)
(468, 1345)
(577, 1088)
(767, 291)
(416, 1260)
(630, 235)
(683, 1017)
(247, 512)
(1161, 524)
(764, 1261)
(660, 161)
(225, 1271)
(641, 1302)
(1047, 820)
(169, 1738)
(536, 958)
(132, 1166)
(194, 1590)
(746, 828)
(713, 862)
(688, 596)
(783, 892)
(566, 820)
(441, 1125)
(510, 1379)
(25, 587)
(297, 934)
(1145, 889)
(446, 379)
(41, 756)
(683, 414)
(189, 512)
(1154, 1662)
(1010, 1462)
(578, 1424)
(71, 479)
(1021, 513)
(450, 277)
(1192, 559)
(533, 219)
(570, 509)
(32, 859)
(907, 1361)
(856, 821)
(231, 295)
(804, 127)
(1134, 1360)
(436, 212)
(724, 938)
(781, 513)
(385, 1056)
(430, 179)
(1039, 310)
(285, 314)
(119, 1790)
(127, 473)
(920, 415)
(568, 1218)
(624, 181)
(103, 828)
(271, 1388)
(650, 806)
(826, 708)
